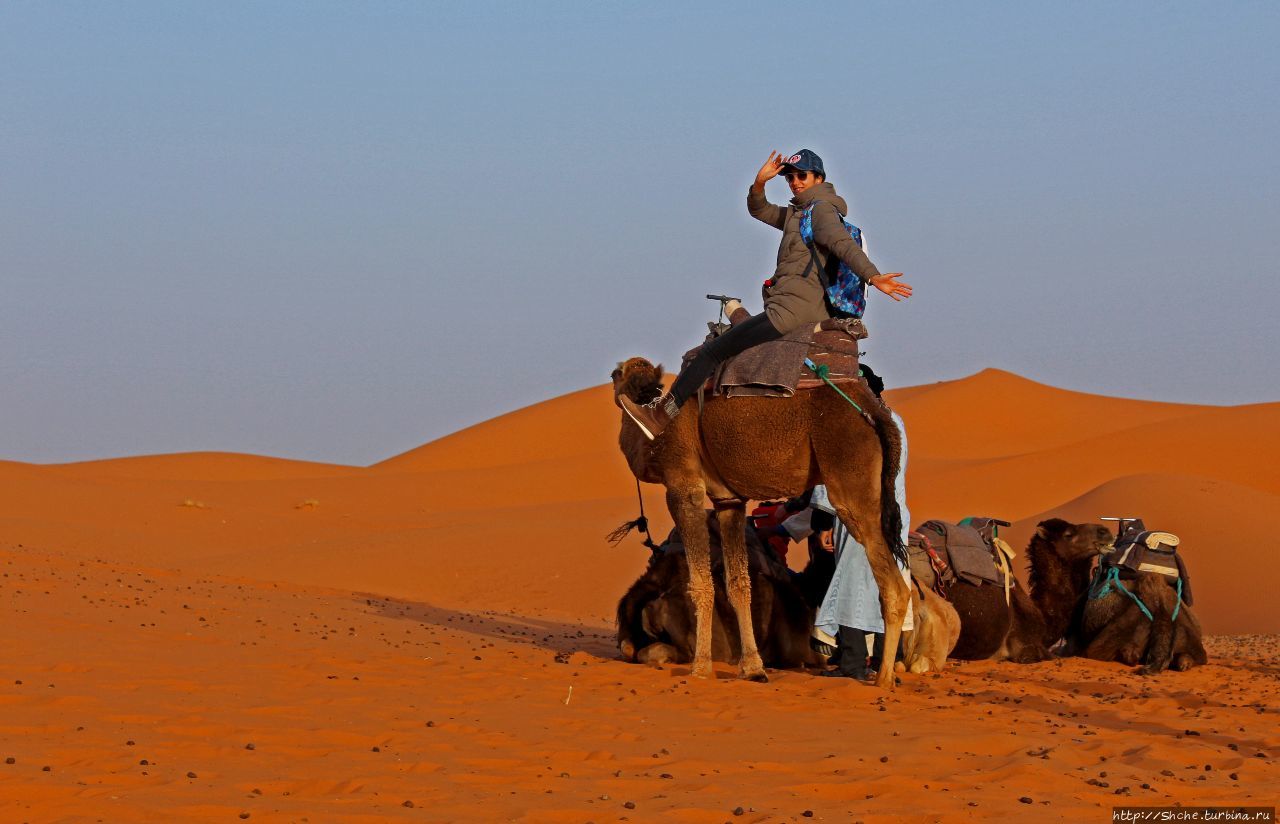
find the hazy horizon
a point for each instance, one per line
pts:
(336, 232)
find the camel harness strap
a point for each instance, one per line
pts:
(824, 373)
(1104, 581)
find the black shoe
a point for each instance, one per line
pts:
(864, 676)
(820, 646)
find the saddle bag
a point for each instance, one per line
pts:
(928, 566)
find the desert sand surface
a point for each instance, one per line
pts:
(217, 637)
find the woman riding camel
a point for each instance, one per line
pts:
(794, 296)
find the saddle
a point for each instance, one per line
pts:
(1143, 550)
(941, 553)
(777, 369)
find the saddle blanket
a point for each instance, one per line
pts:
(776, 369)
(964, 553)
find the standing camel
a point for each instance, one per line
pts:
(740, 449)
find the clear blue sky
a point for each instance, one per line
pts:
(338, 230)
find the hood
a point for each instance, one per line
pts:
(823, 191)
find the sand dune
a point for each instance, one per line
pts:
(579, 423)
(1233, 444)
(548, 479)
(995, 413)
(197, 603)
(207, 466)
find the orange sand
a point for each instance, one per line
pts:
(411, 632)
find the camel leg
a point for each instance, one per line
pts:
(737, 582)
(894, 594)
(686, 509)
(1188, 649)
(1160, 599)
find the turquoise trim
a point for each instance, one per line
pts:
(823, 372)
(1112, 578)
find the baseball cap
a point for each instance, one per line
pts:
(805, 160)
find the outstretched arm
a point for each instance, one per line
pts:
(830, 234)
(759, 206)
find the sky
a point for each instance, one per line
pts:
(336, 231)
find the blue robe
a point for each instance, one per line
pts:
(853, 598)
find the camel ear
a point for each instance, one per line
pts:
(1042, 532)
(657, 372)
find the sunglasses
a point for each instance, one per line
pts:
(801, 176)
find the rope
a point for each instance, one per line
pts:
(1179, 606)
(824, 373)
(642, 523)
(1112, 578)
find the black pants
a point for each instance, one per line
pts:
(853, 651)
(877, 650)
(752, 332)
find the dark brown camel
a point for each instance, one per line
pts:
(656, 622)
(1113, 627)
(1023, 630)
(767, 448)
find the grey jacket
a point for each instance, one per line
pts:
(793, 300)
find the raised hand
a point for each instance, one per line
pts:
(888, 284)
(771, 168)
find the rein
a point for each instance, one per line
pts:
(642, 523)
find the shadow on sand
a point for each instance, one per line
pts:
(559, 637)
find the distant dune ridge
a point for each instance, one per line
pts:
(497, 513)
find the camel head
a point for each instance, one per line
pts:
(1073, 542)
(638, 379)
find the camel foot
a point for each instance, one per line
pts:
(886, 680)
(758, 677)
(1150, 669)
(1182, 662)
(1129, 655)
(702, 671)
(656, 654)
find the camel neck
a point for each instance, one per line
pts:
(1056, 585)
